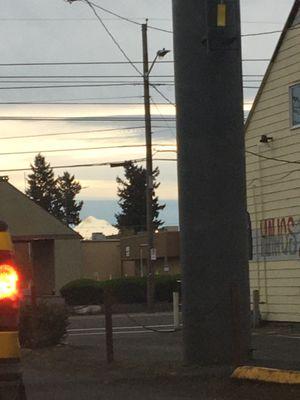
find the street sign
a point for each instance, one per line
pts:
(153, 255)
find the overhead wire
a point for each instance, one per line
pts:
(81, 119)
(78, 76)
(61, 102)
(125, 146)
(80, 85)
(272, 158)
(63, 63)
(112, 36)
(76, 132)
(277, 31)
(124, 53)
(107, 163)
(128, 19)
(76, 99)
(70, 133)
(163, 117)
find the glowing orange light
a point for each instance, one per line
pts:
(8, 282)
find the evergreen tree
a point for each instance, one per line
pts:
(68, 189)
(42, 186)
(57, 196)
(132, 199)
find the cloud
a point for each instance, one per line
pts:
(47, 31)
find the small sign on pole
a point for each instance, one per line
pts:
(153, 255)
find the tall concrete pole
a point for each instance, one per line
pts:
(149, 172)
(211, 168)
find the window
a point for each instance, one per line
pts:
(295, 105)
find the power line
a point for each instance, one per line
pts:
(128, 19)
(112, 37)
(115, 14)
(70, 133)
(58, 86)
(107, 163)
(61, 102)
(79, 99)
(98, 76)
(162, 94)
(54, 63)
(76, 19)
(83, 119)
(78, 132)
(77, 81)
(79, 76)
(58, 63)
(166, 122)
(80, 85)
(171, 32)
(83, 149)
(272, 158)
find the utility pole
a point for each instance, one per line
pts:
(149, 172)
(212, 189)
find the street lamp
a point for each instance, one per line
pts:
(160, 54)
(151, 254)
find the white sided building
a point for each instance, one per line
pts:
(273, 179)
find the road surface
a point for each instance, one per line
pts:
(148, 364)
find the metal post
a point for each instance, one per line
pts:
(211, 173)
(176, 310)
(255, 310)
(149, 172)
(108, 326)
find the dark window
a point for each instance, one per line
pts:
(295, 105)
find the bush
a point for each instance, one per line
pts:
(42, 326)
(165, 286)
(82, 292)
(123, 290)
(127, 290)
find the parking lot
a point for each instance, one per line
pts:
(148, 364)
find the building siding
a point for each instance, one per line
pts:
(68, 262)
(102, 259)
(273, 187)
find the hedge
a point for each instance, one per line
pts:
(42, 326)
(123, 290)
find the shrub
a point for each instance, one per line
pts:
(123, 290)
(82, 292)
(165, 286)
(127, 290)
(42, 326)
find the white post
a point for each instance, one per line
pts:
(176, 310)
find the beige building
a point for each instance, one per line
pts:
(101, 259)
(273, 179)
(134, 254)
(48, 252)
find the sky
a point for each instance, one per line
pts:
(43, 31)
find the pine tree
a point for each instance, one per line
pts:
(42, 185)
(57, 196)
(68, 189)
(132, 199)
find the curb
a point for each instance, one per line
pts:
(267, 375)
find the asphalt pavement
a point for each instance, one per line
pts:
(148, 364)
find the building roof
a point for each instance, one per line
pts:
(293, 19)
(26, 220)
